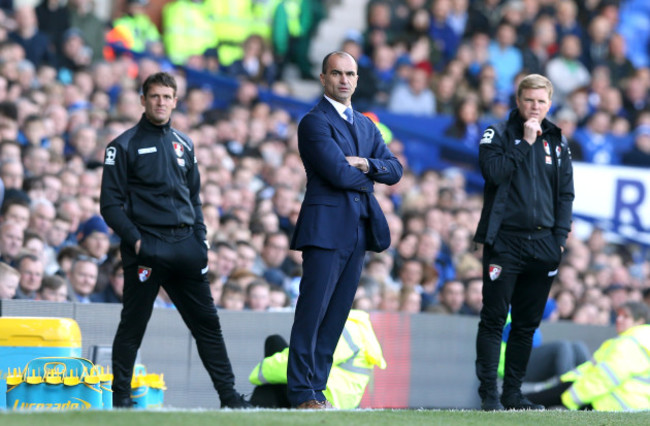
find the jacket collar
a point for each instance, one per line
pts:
(148, 125)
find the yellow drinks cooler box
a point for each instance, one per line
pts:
(24, 338)
(147, 390)
(55, 384)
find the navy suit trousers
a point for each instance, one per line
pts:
(327, 289)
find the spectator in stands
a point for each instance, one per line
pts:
(410, 301)
(473, 297)
(445, 94)
(9, 279)
(246, 256)
(542, 44)
(636, 99)
(639, 155)
(36, 44)
(384, 60)
(135, 27)
(83, 279)
(75, 54)
(258, 295)
(565, 71)
(442, 33)
(619, 65)
(12, 174)
(596, 46)
(42, 214)
(83, 18)
(53, 289)
(31, 271)
(379, 27)
(273, 255)
(505, 57)
(414, 97)
(187, 30)
(567, 19)
(113, 292)
(257, 63)
(11, 241)
(16, 209)
(279, 299)
(450, 298)
(232, 297)
(465, 126)
(93, 237)
(595, 140)
(53, 20)
(226, 259)
(363, 97)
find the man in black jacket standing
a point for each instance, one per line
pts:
(150, 197)
(526, 217)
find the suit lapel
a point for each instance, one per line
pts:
(346, 139)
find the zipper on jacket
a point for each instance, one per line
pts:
(534, 191)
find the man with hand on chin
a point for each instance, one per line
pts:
(526, 217)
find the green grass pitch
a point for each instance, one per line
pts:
(322, 418)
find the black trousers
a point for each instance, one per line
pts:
(518, 270)
(176, 260)
(552, 396)
(555, 358)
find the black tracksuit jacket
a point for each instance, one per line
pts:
(150, 180)
(526, 187)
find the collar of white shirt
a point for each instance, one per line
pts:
(339, 107)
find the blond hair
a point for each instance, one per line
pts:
(535, 81)
(5, 269)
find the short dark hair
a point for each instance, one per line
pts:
(638, 310)
(338, 53)
(160, 79)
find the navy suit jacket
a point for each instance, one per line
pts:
(330, 212)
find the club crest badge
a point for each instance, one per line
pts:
(547, 148)
(178, 149)
(558, 151)
(495, 271)
(143, 273)
(109, 158)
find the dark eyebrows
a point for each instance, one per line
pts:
(337, 71)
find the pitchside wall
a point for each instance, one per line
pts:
(430, 357)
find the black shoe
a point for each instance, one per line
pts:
(237, 401)
(519, 402)
(122, 402)
(491, 403)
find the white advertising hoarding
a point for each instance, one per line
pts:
(614, 198)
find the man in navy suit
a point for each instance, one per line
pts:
(344, 155)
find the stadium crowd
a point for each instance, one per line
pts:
(64, 94)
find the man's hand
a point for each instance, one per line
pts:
(532, 129)
(358, 162)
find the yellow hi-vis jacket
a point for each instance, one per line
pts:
(140, 29)
(357, 352)
(232, 20)
(187, 30)
(617, 378)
